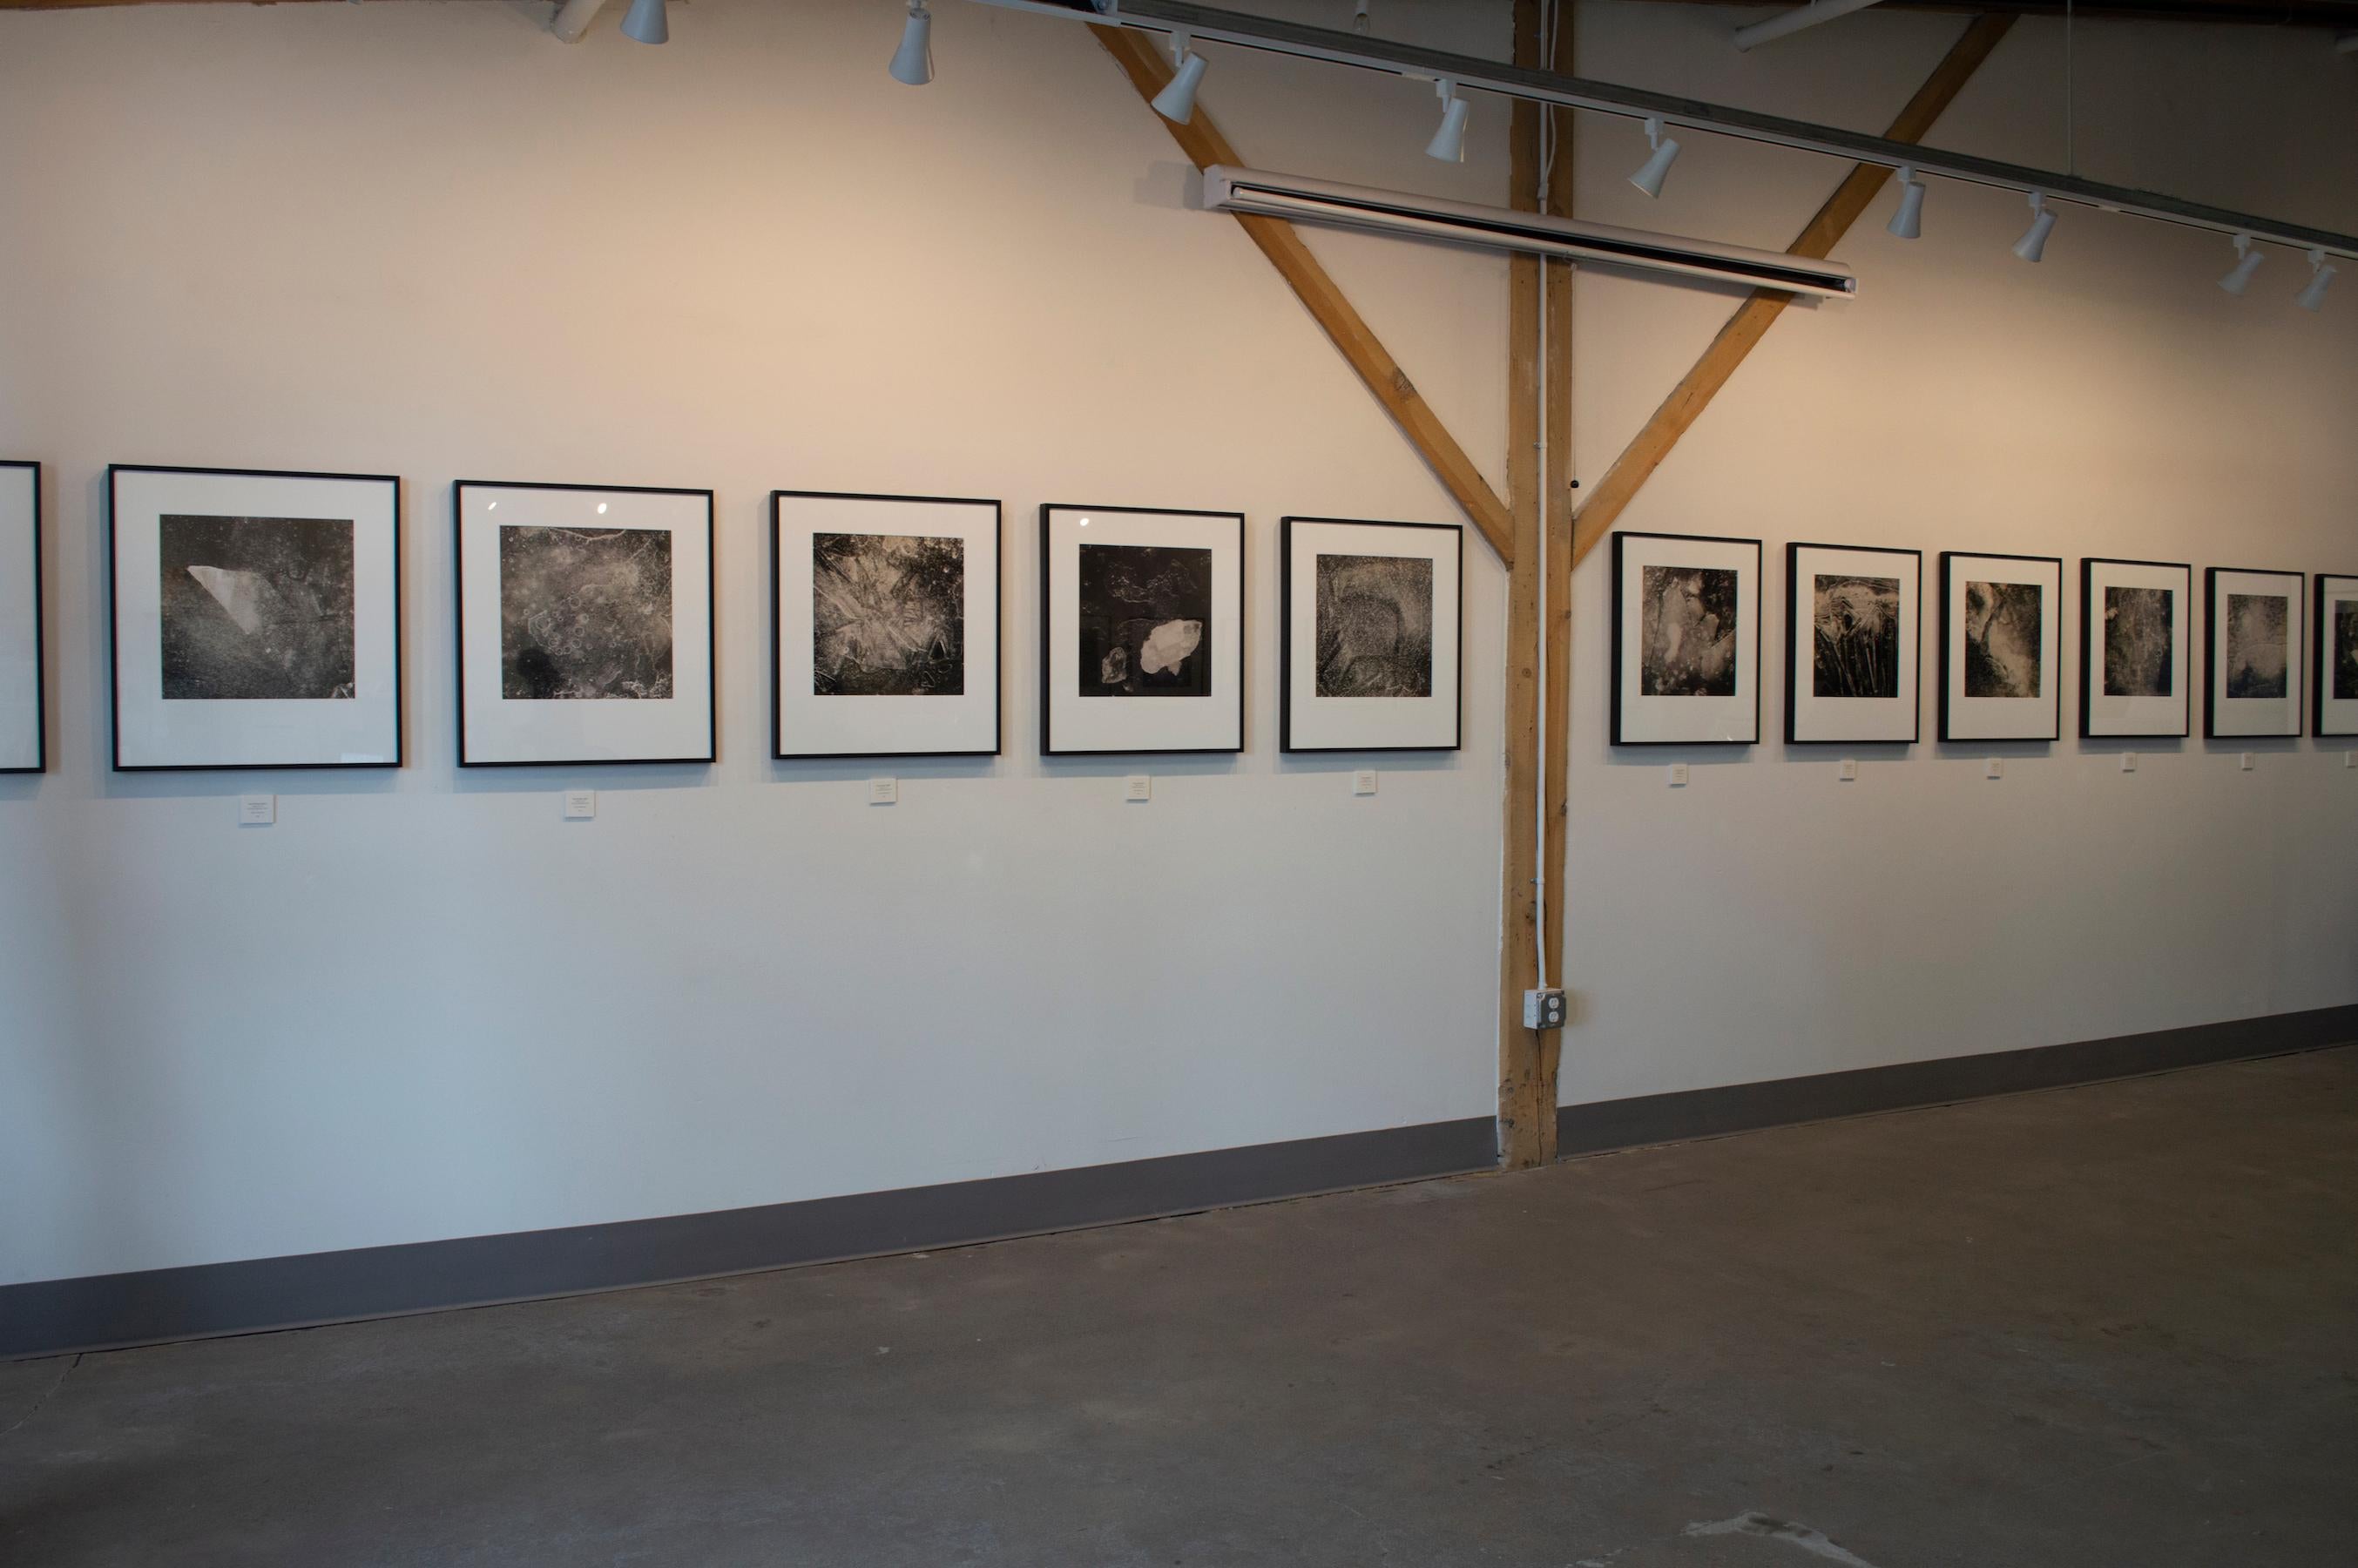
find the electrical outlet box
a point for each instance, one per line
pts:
(257, 810)
(1363, 781)
(1544, 1009)
(580, 805)
(883, 792)
(1138, 786)
(1678, 775)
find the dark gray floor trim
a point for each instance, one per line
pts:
(110, 1311)
(1743, 1108)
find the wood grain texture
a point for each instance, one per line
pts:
(1760, 309)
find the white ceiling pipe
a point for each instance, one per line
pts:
(573, 18)
(1786, 23)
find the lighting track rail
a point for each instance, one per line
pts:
(1498, 228)
(1210, 24)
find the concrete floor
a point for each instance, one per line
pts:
(2109, 1325)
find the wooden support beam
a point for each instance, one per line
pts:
(1204, 145)
(1759, 310)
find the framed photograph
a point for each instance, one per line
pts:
(1855, 621)
(2136, 625)
(1686, 640)
(2001, 635)
(585, 624)
(1372, 635)
(24, 727)
(256, 618)
(884, 625)
(1142, 629)
(2336, 671)
(2255, 654)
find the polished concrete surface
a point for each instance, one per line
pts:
(2107, 1326)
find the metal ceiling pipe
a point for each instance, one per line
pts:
(1784, 24)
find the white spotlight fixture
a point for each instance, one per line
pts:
(1907, 224)
(1177, 101)
(1658, 168)
(2247, 263)
(2033, 245)
(2320, 274)
(647, 23)
(1448, 143)
(912, 62)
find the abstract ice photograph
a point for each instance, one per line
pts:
(585, 614)
(1146, 620)
(1375, 626)
(2256, 652)
(257, 607)
(2345, 651)
(2140, 627)
(1687, 632)
(888, 615)
(2003, 621)
(1856, 622)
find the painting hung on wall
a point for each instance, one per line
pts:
(2136, 629)
(1853, 619)
(2334, 674)
(256, 619)
(1686, 640)
(24, 747)
(884, 625)
(585, 624)
(2001, 636)
(1142, 629)
(1370, 635)
(2256, 652)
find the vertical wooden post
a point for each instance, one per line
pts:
(1561, 472)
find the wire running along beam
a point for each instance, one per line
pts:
(1208, 23)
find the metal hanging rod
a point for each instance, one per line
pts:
(1206, 23)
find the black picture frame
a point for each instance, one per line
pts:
(1619, 620)
(1048, 748)
(1947, 661)
(1794, 623)
(2320, 668)
(2089, 662)
(997, 609)
(114, 472)
(459, 623)
(1285, 636)
(40, 629)
(2214, 629)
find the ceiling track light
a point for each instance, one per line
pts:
(1177, 101)
(2247, 262)
(2320, 274)
(1448, 144)
(912, 62)
(2032, 246)
(647, 23)
(1907, 224)
(1657, 169)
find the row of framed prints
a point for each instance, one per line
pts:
(1686, 646)
(256, 622)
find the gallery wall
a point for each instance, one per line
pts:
(427, 239)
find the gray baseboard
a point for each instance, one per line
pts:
(113, 1310)
(1744, 1108)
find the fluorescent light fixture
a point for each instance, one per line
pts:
(1658, 168)
(647, 23)
(1907, 224)
(1448, 143)
(2247, 263)
(912, 62)
(2320, 274)
(1305, 200)
(1177, 101)
(2033, 245)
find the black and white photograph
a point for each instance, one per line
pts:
(2345, 651)
(2334, 677)
(2001, 646)
(1686, 640)
(1854, 619)
(2136, 625)
(884, 625)
(2253, 652)
(23, 738)
(256, 619)
(1371, 630)
(585, 624)
(1141, 603)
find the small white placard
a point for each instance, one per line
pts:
(1996, 769)
(883, 792)
(2128, 761)
(257, 810)
(1363, 781)
(2244, 760)
(580, 805)
(1137, 787)
(1678, 775)
(1850, 770)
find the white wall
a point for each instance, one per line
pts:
(429, 240)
